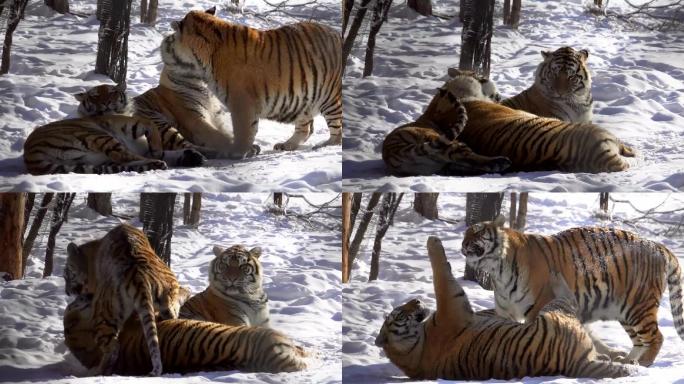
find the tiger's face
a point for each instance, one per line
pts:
(76, 269)
(236, 270)
(484, 244)
(564, 72)
(189, 49)
(402, 329)
(467, 85)
(105, 99)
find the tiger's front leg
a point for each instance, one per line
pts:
(460, 160)
(245, 127)
(303, 130)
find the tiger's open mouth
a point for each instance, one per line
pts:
(472, 251)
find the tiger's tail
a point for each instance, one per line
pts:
(602, 369)
(674, 283)
(145, 310)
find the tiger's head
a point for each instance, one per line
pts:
(564, 73)
(189, 49)
(236, 270)
(467, 86)
(77, 267)
(402, 332)
(484, 244)
(105, 99)
(79, 331)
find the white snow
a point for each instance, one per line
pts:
(638, 88)
(301, 277)
(53, 57)
(405, 274)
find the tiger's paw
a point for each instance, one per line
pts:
(154, 164)
(285, 147)
(255, 150)
(501, 163)
(192, 158)
(625, 360)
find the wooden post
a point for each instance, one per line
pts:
(11, 223)
(346, 221)
(426, 205)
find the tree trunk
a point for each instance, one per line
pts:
(347, 6)
(513, 210)
(278, 199)
(361, 230)
(152, 12)
(156, 210)
(112, 45)
(16, 13)
(346, 229)
(59, 216)
(515, 14)
(423, 7)
(100, 203)
(379, 16)
(461, 11)
(476, 36)
(354, 30)
(35, 227)
(426, 205)
(521, 219)
(11, 223)
(598, 3)
(481, 207)
(507, 12)
(143, 11)
(603, 201)
(195, 209)
(28, 207)
(389, 205)
(187, 202)
(355, 207)
(61, 6)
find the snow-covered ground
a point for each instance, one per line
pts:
(301, 277)
(638, 88)
(53, 57)
(405, 274)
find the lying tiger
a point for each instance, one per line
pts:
(186, 345)
(102, 144)
(457, 344)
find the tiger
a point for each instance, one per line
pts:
(534, 143)
(430, 146)
(456, 343)
(125, 276)
(235, 295)
(614, 274)
(101, 144)
(185, 345)
(561, 89)
(288, 74)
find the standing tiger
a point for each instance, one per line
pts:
(535, 143)
(430, 145)
(456, 343)
(126, 277)
(614, 274)
(289, 74)
(185, 345)
(561, 89)
(102, 144)
(235, 295)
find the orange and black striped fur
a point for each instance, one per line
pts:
(455, 343)
(126, 277)
(289, 74)
(431, 144)
(101, 144)
(235, 295)
(534, 143)
(614, 274)
(185, 345)
(561, 89)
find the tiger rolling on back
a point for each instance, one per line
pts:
(456, 343)
(430, 145)
(561, 89)
(185, 345)
(614, 274)
(101, 144)
(289, 74)
(126, 277)
(235, 295)
(535, 143)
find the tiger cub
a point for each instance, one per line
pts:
(561, 89)
(235, 295)
(534, 143)
(205, 346)
(430, 145)
(101, 144)
(126, 277)
(289, 74)
(457, 344)
(614, 274)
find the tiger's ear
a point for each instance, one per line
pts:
(584, 54)
(477, 227)
(255, 252)
(211, 11)
(80, 96)
(72, 250)
(176, 26)
(453, 72)
(546, 54)
(500, 221)
(218, 250)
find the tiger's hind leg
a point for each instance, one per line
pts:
(333, 118)
(602, 348)
(245, 127)
(646, 340)
(460, 160)
(303, 130)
